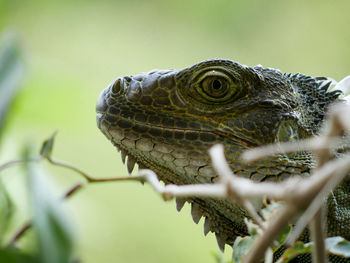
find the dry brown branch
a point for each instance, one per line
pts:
(332, 172)
(317, 229)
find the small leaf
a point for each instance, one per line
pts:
(292, 252)
(47, 146)
(241, 248)
(50, 225)
(281, 239)
(11, 70)
(6, 211)
(338, 246)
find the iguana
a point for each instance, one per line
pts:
(166, 120)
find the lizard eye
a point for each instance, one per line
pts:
(216, 86)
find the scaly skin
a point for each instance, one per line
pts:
(167, 121)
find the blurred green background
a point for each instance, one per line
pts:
(74, 49)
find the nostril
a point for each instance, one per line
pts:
(116, 86)
(101, 105)
(128, 78)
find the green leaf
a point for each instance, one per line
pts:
(11, 70)
(338, 246)
(281, 239)
(50, 225)
(241, 248)
(47, 146)
(294, 251)
(12, 255)
(6, 211)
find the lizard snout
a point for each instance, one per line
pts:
(101, 105)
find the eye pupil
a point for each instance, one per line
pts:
(216, 84)
(215, 87)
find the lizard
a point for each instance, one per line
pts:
(166, 120)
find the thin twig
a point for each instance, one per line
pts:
(90, 179)
(317, 235)
(314, 144)
(227, 177)
(70, 167)
(19, 161)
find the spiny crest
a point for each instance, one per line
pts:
(318, 86)
(315, 96)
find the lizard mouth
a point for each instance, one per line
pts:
(151, 152)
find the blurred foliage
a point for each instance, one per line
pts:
(6, 212)
(74, 49)
(51, 227)
(52, 234)
(11, 69)
(12, 255)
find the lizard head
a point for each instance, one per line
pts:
(166, 120)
